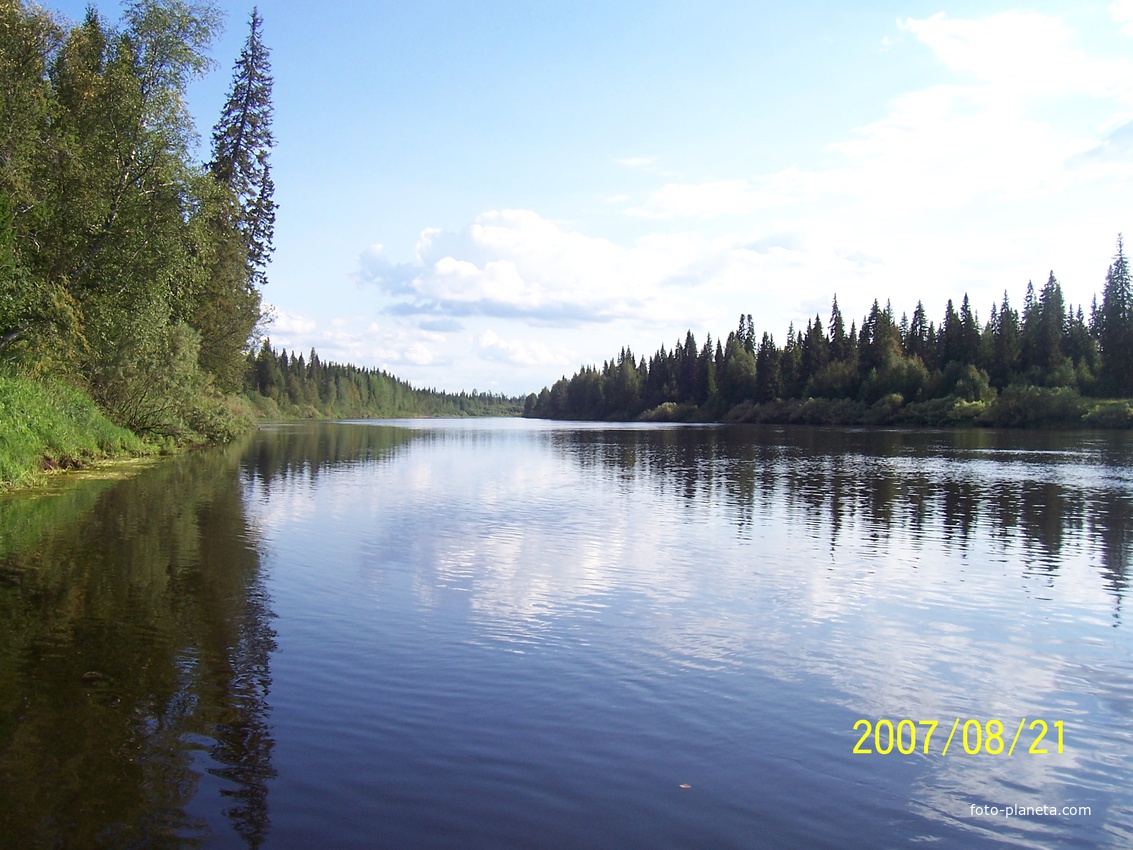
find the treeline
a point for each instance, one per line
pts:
(281, 385)
(1025, 367)
(127, 267)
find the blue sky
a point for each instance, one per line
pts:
(490, 194)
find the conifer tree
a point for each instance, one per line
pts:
(839, 344)
(242, 141)
(1004, 361)
(916, 339)
(1114, 326)
(768, 380)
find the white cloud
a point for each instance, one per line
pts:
(418, 354)
(286, 322)
(1000, 129)
(516, 264)
(1122, 12)
(1024, 53)
(347, 340)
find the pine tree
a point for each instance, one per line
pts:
(1004, 364)
(242, 143)
(1051, 332)
(916, 339)
(1114, 323)
(768, 380)
(969, 333)
(839, 344)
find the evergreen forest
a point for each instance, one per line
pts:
(280, 385)
(1046, 365)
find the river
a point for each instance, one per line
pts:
(521, 634)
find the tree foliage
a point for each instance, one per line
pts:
(280, 383)
(909, 371)
(241, 142)
(1113, 327)
(123, 263)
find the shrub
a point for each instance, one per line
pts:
(1110, 414)
(670, 411)
(1025, 406)
(904, 375)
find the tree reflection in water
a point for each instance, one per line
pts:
(1041, 490)
(135, 638)
(135, 646)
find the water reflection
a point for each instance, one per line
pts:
(1044, 491)
(967, 576)
(517, 634)
(288, 456)
(135, 639)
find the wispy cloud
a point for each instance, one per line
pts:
(995, 130)
(723, 198)
(491, 346)
(351, 341)
(1122, 12)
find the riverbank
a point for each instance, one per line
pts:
(46, 425)
(1015, 407)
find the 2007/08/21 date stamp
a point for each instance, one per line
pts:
(906, 736)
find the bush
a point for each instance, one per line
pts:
(1029, 407)
(967, 383)
(219, 419)
(947, 412)
(822, 411)
(670, 411)
(1110, 414)
(904, 375)
(264, 408)
(835, 380)
(885, 410)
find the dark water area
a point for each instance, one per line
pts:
(516, 634)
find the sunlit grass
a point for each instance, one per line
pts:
(48, 425)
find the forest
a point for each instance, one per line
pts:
(1048, 365)
(130, 272)
(285, 386)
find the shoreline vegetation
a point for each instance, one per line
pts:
(1047, 366)
(130, 273)
(47, 425)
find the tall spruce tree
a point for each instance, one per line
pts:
(237, 218)
(1114, 327)
(242, 141)
(1004, 362)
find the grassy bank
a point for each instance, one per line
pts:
(47, 425)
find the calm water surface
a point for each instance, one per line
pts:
(513, 634)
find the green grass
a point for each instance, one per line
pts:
(47, 424)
